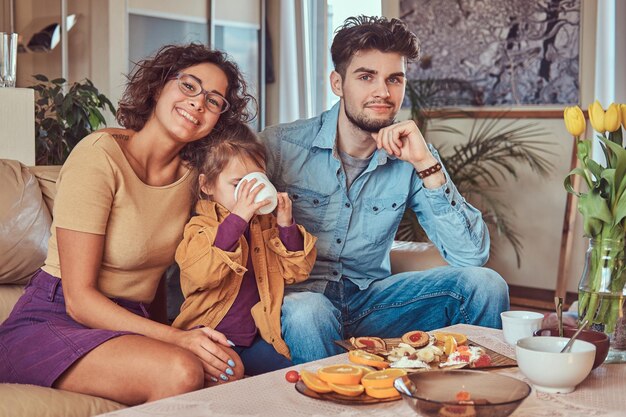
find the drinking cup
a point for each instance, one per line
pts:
(267, 193)
(520, 324)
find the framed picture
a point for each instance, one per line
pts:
(496, 53)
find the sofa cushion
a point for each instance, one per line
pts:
(32, 401)
(47, 176)
(24, 224)
(414, 256)
(8, 297)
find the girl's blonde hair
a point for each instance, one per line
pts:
(238, 141)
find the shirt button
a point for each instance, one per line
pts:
(375, 208)
(335, 273)
(338, 240)
(276, 243)
(447, 191)
(264, 309)
(257, 250)
(394, 205)
(316, 201)
(295, 196)
(453, 203)
(239, 270)
(348, 205)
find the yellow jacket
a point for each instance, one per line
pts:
(210, 277)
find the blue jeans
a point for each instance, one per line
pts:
(390, 307)
(261, 357)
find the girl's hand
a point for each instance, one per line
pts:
(245, 207)
(284, 217)
(210, 347)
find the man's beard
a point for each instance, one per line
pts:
(368, 125)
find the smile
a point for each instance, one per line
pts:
(188, 116)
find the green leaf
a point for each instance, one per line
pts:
(40, 77)
(595, 211)
(568, 180)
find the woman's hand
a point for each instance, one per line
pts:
(245, 207)
(211, 347)
(284, 218)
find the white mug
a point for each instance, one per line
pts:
(267, 193)
(519, 324)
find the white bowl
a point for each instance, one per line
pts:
(549, 370)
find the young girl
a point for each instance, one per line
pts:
(234, 264)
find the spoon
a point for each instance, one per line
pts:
(558, 302)
(569, 344)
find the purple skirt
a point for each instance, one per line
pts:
(39, 341)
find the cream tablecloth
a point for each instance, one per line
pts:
(603, 394)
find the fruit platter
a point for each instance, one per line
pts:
(374, 364)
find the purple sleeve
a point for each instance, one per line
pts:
(291, 237)
(229, 232)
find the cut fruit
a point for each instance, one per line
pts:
(382, 379)
(389, 392)
(449, 345)
(347, 390)
(366, 369)
(441, 337)
(340, 374)
(364, 358)
(313, 383)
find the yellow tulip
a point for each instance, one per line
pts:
(596, 116)
(612, 118)
(574, 120)
(622, 110)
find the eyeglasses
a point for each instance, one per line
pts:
(192, 87)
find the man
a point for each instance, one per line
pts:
(350, 173)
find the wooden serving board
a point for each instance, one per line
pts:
(498, 360)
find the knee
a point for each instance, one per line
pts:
(307, 308)
(186, 373)
(488, 283)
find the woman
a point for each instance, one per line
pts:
(122, 201)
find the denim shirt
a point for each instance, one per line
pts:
(356, 227)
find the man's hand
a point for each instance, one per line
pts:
(284, 217)
(405, 141)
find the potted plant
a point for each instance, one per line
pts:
(64, 114)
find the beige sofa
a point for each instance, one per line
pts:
(26, 201)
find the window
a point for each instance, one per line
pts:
(337, 12)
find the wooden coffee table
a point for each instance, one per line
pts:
(601, 394)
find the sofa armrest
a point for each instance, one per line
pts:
(414, 256)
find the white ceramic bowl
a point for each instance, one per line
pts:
(539, 358)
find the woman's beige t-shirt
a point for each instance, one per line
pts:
(98, 192)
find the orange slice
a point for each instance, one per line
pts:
(347, 390)
(314, 383)
(449, 345)
(364, 358)
(441, 337)
(340, 374)
(389, 392)
(382, 379)
(366, 369)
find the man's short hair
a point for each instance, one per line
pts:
(362, 33)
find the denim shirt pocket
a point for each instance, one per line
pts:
(382, 217)
(309, 207)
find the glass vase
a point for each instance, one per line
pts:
(601, 293)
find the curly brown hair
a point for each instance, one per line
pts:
(238, 141)
(362, 33)
(149, 76)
